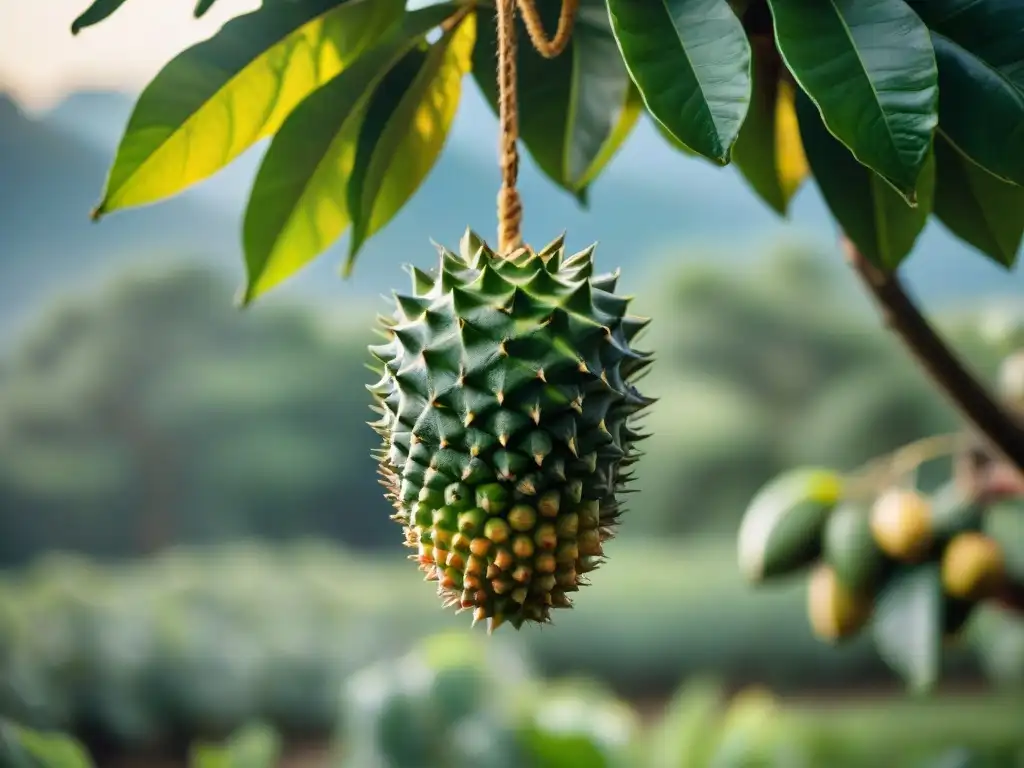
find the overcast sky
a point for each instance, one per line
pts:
(40, 60)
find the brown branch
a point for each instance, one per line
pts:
(938, 361)
(1012, 598)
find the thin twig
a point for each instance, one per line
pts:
(869, 479)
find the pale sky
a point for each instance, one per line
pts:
(40, 60)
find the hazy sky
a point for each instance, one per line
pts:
(40, 60)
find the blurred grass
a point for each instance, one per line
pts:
(194, 644)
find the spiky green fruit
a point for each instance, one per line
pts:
(507, 412)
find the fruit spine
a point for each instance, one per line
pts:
(507, 411)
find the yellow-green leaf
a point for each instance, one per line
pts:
(769, 153)
(404, 152)
(218, 98)
(298, 206)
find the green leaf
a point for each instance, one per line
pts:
(575, 110)
(99, 11)
(872, 214)
(253, 746)
(218, 98)
(849, 548)
(908, 625)
(380, 108)
(673, 141)
(980, 52)
(22, 747)
(768, 152)
(202, 6)
(397, 149)
(869, 67)
(628, 117)
(298, 205)
(691, 62)
(976, 206)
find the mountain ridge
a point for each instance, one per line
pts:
(652, 207)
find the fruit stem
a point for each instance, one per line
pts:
(510, 205)
(946, 371)
(890, 468)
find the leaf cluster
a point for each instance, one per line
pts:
(899, 109)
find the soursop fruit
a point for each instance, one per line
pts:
(508, 416)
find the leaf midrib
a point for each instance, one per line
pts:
(704, 106)
(990, 224)
(853, 45)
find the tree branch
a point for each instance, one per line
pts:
(1012, 598)
(948, 373)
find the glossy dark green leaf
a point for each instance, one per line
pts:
(908, 625)
(99, 11)
(575, 110)
(673, 141)
(869, 67)
(691, 61)
(976, 206)
(218, 98)
(298, 206)
(409, 127)
(768, 152)
(979, 45)
(202, 6)
(871, 213)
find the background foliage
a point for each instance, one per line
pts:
(198, 641)
(147, 418)
(151, 413)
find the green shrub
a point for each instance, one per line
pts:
(197, 642)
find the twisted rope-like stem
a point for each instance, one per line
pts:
(510, 205)
(549, 49)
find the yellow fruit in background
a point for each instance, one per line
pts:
(973, 567)
(901, 523)
(1011, 379)
(835, 611)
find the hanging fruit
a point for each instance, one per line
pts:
(879, 552)
(507, 405)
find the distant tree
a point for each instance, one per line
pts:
(359, 98)
(761, 371)
(155, 413)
